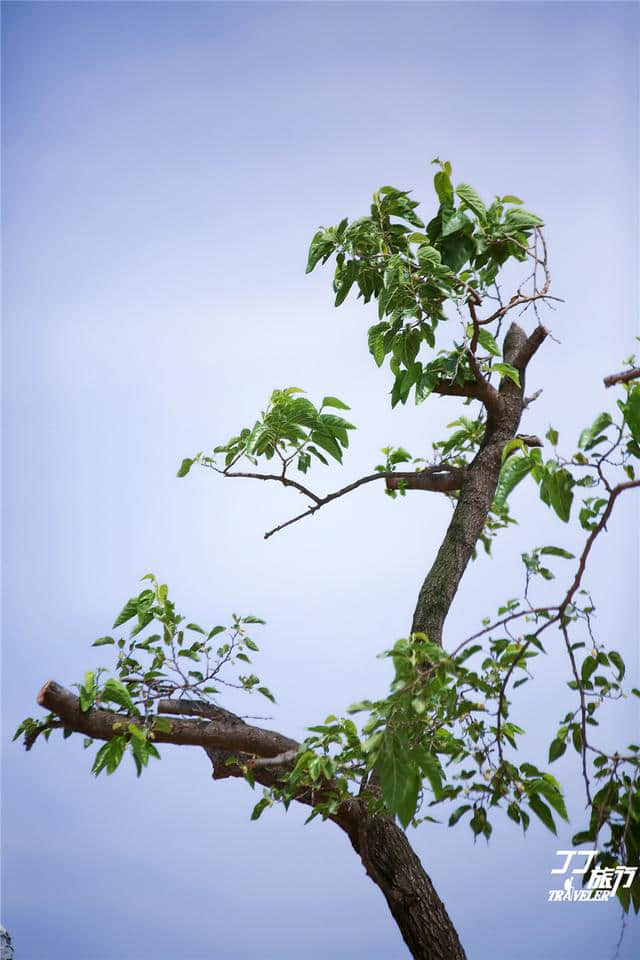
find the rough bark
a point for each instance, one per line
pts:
(477, 491)
(417, 909)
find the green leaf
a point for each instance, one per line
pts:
(162, 724)
(618, 663)
(584, 836)
(430, 766)
(321, 248)
(129, 610)
(556, 749)
(472, 200)
(556, 491)
(589, 666)
(327, 443)
(506, 370)
(185, 466)
(334, 402)
(376, 342)
(548, 786)
(88, 691)
(486, 340)
(260, 807)
(520, 219)
(115, 692)
(557, 552)
(453, 222)
(444, 189)
(510, 198)
(542, 811)
(102, 641)
(457, 813)
(593, 434)
(109, 756)
(399, 778)
(266, 693)
(513, 471)
(631, 412)
(429, 258)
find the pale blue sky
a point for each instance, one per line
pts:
(164, 167)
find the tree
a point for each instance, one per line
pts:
(444, 736)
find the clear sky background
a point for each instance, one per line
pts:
(164, 168)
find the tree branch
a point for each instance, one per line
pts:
(439, 479)
(230, 734)
(623, 377)
(532, 344)
(285, 481)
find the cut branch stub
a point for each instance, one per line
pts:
(438, 479)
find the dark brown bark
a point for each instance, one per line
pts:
(477, 491)
(417, 909)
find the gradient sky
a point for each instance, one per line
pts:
(164, 167)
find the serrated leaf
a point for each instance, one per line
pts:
(472, 200)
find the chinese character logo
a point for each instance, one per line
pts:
(603, 882)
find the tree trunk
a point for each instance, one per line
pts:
(475, 498)
(393, 866)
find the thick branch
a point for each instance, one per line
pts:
(531, 345)
(477, 491)
(230, 734)
(440, 479)
(485, 392)
(197, 708)
(623, 377)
